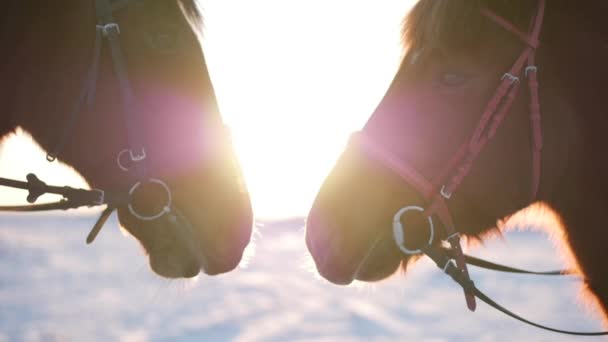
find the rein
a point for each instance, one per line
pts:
(453, 261)
(443, 260)
(131, 160)
(492, 266)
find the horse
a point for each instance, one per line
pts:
(427, 151)
(120, 91)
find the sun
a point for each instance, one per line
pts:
(293, 79)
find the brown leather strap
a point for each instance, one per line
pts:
(426, 189)
(461, 163)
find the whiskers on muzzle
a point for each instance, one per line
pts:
(174, 248)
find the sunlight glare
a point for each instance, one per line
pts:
(20, 155)
(293, 78)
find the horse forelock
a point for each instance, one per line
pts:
(457, 26)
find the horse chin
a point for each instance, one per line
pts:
(183, 257)
(171, 266)
(170, 242)
(341, 260)
(380, 263)
(371, 267)
(178, 249)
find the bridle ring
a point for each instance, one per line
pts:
(133, 157)
(165, 210)
(399, 236)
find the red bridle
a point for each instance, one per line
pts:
(460, 164)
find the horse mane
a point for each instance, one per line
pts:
(456, 26)
(191, 9)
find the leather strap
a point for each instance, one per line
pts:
(101, 221)
(87, 92)
(135, 139)
(492, 266)
(425, 188)
(117, 5)
(443, 261)
(461, 163)
(106, 28)
(72, 197)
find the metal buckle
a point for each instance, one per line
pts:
(448, 263)
(138, 157)
(102, 197)
(399, 236)
(454, 238)
(118, 160)
(165, 210)
(134, 158)
(444, 193)
(510, 77)
(530, 68)
(108, 28)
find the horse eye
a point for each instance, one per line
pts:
(452, 79)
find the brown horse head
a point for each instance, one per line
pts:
(48, 58)
(455, 58)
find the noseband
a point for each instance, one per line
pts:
(132, 160)
(453, 261)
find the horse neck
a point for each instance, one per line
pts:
(46, 66)
(14, 27)
(575, 73)
(576, 183)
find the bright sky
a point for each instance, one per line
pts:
(293, 78)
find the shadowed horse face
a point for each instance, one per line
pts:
(454, 63)
(187, 146)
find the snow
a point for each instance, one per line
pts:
(53, 287)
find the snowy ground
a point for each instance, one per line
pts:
(54, 287)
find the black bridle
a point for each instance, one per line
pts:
(133, 159)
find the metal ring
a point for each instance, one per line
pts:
(510, 77)
(118, 157)
(398, 234)
(166, 209)
(444, 193)
(134, 157)
(106, 28)
(138, 156)
(529, 68)
(102, 197)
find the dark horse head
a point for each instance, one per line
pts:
(48, 48)
(455, 57)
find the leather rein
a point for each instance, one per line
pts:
(452, 260)
(131, 160)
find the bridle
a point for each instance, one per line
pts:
(452, 260)
(132, 159)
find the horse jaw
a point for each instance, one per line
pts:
(348, 231)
